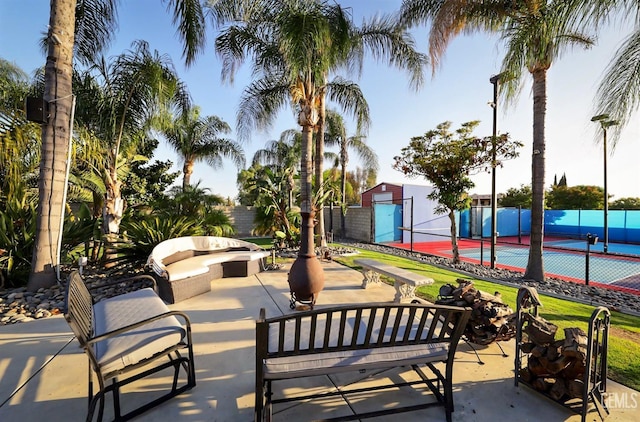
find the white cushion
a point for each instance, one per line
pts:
(199, 264)
(247, 255)
(335, 362)
(195, 243)
(132, 347)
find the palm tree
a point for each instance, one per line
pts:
(83, 27)
(282, 156)
(336, 134)
(535, 34)
(117, 102)
(19, 139)
(617, 93)
(286, 40)
(196, 138)
(287, 71)
(131, 91)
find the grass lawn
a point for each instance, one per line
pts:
(263, 242)
(624, 334)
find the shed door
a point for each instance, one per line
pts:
(388, 219)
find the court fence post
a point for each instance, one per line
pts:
(591, 240)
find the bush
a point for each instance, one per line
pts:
(17, 233)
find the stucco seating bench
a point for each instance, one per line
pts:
(405, 281)
(187, 265)
(365, 338)
(127, 338)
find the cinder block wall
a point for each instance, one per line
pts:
(357, 221)
(241, 219)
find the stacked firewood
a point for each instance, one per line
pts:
(555, 367)
(491, 319)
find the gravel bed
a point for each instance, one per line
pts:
(19, 305)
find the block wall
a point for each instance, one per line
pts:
(357, 221)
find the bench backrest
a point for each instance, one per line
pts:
(358, 327)
(79, 312)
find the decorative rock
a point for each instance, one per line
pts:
(44, 305)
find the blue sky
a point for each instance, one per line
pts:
(458, 92)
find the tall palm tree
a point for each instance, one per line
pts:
(286, 41)
(117, 102)
(535, 33)
(282, 156)
(196, 139)
(344, 48)
(83, 27)
(336, 134)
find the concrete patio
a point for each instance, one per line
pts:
(43, 372)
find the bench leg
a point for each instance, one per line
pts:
(405, 293)
(370, 277)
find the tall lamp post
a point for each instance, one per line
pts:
(605, 122)
(494, 198)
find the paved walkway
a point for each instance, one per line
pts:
(42, 361)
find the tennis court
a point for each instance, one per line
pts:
(563, 258)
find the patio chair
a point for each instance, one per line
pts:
(124, 334)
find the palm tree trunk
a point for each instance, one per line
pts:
(187, 171)
(322, 240)
(55, 144)
(305, 170)
(112, 215)
(306, 278)
(535, 266)
(343, 167)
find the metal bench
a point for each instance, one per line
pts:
(124, 334)
(360, 338)
(405, 281)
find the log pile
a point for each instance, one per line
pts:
(555, 367)
(491, 319)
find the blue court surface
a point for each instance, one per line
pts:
(581, 245)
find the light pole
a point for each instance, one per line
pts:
(605, 122)
(494, 198)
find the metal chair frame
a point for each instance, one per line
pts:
(80, 316)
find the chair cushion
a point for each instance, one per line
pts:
(132, 347)
(336, 362)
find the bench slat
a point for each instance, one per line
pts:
(372, 317)
(312, 333)
(407, 332)
(356, 328)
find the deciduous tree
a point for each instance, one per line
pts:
(447, 159)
